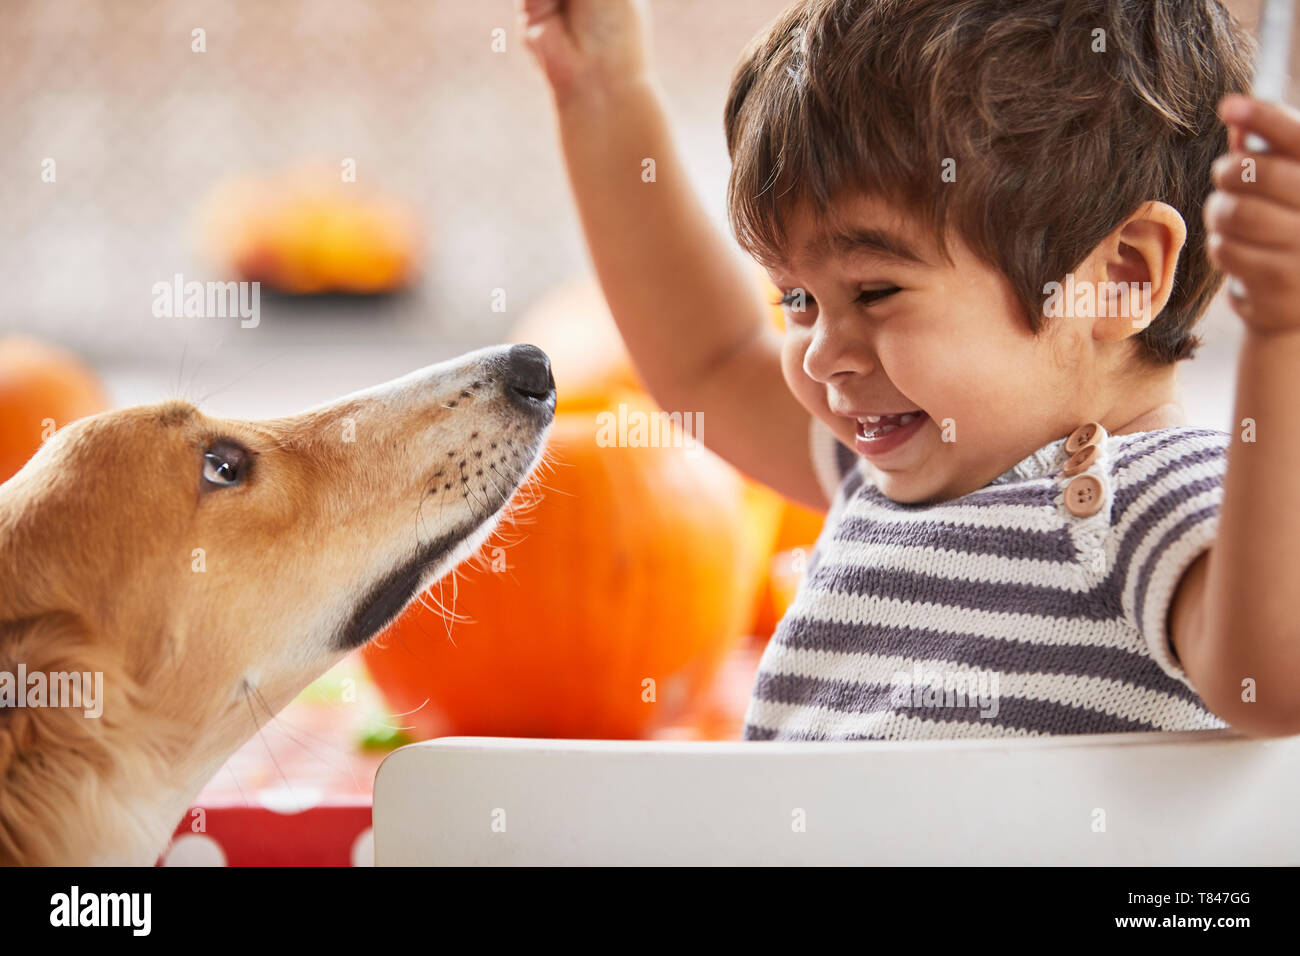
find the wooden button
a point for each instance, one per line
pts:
(1083, 436)
(1081, 460)
(1084, 495)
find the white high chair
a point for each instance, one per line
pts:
(1192, 798)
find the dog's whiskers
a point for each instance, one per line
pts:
(248, 695)
(284, 727)
(437, 608)
(235, 777)
(414, 710)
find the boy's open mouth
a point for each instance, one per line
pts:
(878, 434)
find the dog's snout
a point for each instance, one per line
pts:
(528, 374)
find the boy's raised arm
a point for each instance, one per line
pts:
(1239, 628)
(687, 305)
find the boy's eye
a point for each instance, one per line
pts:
(868, 296)
(798, 300)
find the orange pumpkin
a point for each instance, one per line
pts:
(42, 388)
(574, 326)
(608, 612)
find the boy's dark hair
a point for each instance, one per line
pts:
(1056, 142)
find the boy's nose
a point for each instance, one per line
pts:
(832, 357)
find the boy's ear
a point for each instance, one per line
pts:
(1141, 255)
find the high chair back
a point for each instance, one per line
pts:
(1193, 798)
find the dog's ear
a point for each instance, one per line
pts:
(45, 660)
(49, 642)
(46, 745)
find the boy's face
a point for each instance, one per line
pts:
(891, 327)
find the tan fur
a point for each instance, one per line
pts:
(98, 573)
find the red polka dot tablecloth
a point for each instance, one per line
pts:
(299, 793)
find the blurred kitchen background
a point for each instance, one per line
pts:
(143, 130)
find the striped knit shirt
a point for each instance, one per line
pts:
(999, 613)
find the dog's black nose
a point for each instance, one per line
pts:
(528, 374)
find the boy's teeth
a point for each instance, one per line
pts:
(893, 418)
(872, 427)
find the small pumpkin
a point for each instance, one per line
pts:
(306, 232)
(42, 388)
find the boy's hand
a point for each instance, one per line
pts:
(1253, 217)
(586, 44)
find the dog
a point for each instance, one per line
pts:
(210, 569)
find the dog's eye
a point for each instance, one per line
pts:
(224, 464)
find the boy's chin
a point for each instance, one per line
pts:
(906, 487)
